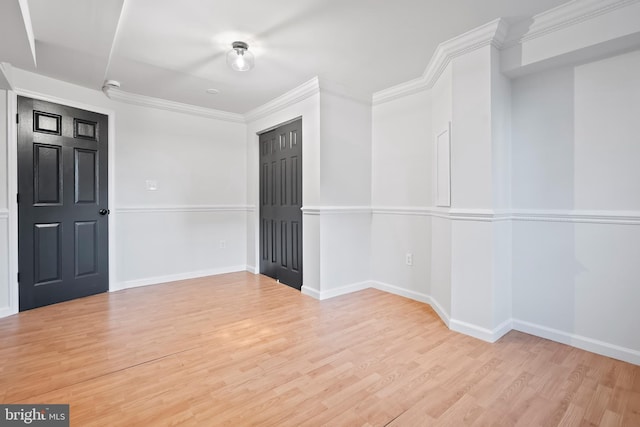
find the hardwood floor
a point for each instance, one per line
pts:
(240, 349)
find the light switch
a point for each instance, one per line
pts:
(152, 185)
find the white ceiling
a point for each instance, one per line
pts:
(176, 50)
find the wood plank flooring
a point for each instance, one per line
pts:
(240, 349)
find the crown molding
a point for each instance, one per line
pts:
(163, 104)
(561, 17)
(6, 76)
(345, 92)
(292, 97)
(490, 34)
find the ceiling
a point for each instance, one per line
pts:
(175, 50)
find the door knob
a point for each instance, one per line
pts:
(104, 211)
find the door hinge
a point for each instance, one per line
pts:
(17, 118)
(18, 277)
(18, 198)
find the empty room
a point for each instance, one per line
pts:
(312, 212)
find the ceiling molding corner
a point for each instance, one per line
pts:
(163, 104)
(345, 92)
(28, 27)
(561, 17)
(6, 76)
(295, 95)
(490, 34)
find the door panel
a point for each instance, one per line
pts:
(281, 203)
(62, 186)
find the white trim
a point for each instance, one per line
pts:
(304, 91)
(561, 17)
(336, 292)
(12, 205)
(179, 276)
(484, 334)
(577, 216)
(7, 311)
(401, 210)
(4, 213)
(344, 92)
(336, 210)
(163, 104)
(28, 27)
(416, 296)
(185, 208)
(490, 34)
(12, 173)
(579, 341)
(251, 269)
(6, 79)
(310, 292)
(490, 215)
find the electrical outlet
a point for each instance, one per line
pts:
(151, 185)
(223, 244)
(409, 258)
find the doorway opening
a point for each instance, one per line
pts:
(281, 203)
(62, 199)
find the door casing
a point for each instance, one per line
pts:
(12, 172)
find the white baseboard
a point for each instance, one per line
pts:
(417, 296)
(251, 269)
(332, 293)
(180, 276)
(7, 311)
(584, 343)
(484, 334)
(313, 293)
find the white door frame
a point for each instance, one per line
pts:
(12, 176)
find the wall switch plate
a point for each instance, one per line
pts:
(409, 258)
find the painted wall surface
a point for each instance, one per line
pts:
(345, 170)
(196, 162)
(441, 118)
(402, 143)
(543, 141)
(402, 177)
(3, 149)
(345, 180)
(575, 150)
(471, 143)
(4, 220)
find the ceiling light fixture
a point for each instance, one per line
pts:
(239, 58)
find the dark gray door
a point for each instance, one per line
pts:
(280, 203)
(62, 203)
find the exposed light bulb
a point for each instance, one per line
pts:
(239, 58)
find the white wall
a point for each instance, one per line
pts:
(401, 191)
(441, 119)
(345, 181)
(575, 152)
(4, 220)
(199, 164)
